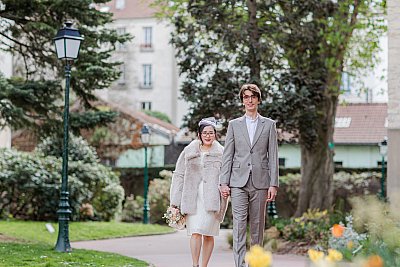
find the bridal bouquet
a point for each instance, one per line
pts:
(175, 218)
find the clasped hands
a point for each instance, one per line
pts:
(224, 190)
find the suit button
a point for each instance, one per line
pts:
(248, 164)
(251, 151)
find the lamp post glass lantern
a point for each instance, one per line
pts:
(383, 151)
(67, 43)
(145, 138)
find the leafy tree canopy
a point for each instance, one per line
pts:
(27, 29)
(295, 51)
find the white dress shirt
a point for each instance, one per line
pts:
(251, 127)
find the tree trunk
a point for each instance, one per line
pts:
(316, 190)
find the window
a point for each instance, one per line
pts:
(379, 163)
(108, 162)
(104, 9)
(146, 105)
(147, 38)
(282, 162)
(338, 163)
(346, 83)
(120, 46)
(120, 4)
(121, 79)
(147, 79)
(342, 122)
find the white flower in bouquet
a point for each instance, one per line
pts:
(175, 218)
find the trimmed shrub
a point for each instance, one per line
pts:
(29, 185)
(158, 196)
(30, 182)
(346, 185)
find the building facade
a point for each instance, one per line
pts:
(6, 71)
(149, 74)
(359, 129)
(372, 87)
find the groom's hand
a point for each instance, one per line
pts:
(224, 190)
(272, 192)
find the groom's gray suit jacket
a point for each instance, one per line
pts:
(240, 157)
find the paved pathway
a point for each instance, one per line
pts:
(172, 250)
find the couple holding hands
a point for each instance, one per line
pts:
(246, 169)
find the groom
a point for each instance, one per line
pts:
(249, 172)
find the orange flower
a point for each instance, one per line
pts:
(374, 261)
(337, 230)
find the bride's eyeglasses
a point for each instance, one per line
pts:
(207, 133)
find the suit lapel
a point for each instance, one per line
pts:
(243, 128)
(259, 129)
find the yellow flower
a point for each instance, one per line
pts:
(334, 255)
(315, 255)
(337, 230)
(350, 244)
(374, 261)
(257, 257)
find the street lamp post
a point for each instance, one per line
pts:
(383, 151)
(145, 138)
(67, 42)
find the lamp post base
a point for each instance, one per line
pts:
(63, 244)
(64, 214)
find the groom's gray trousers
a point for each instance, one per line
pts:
(251, 201)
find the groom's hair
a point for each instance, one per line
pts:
(251, 87)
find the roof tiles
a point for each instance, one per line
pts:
(367, 125)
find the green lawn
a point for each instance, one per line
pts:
(30, 244)
(37, 232)
(33, 255)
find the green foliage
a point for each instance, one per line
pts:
(158, 196)
(312, 227)
(350, 242)
(295, 51)
(101, 185)
(28, 30)
(345, 186)
(380, 222)
(90, 119)
(78, 149)
(133, 209)
(158, 114)
(22, 102)
(373, 215)
(99, 135)
(390, 256)
(228, 220)
(30, 183)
